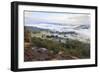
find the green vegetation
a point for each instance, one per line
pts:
(71, 47)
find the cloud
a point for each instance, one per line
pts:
(56, 17)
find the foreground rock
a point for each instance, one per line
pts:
(42, 54)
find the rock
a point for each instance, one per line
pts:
(43, 54)
(28, 54)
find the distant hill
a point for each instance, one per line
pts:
(82, 27)
(34, 28)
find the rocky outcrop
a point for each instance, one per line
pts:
(43, 54)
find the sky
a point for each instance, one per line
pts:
(68, 18)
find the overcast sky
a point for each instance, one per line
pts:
(56, 17)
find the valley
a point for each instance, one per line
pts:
(60, 42)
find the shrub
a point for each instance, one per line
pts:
(71, 47)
